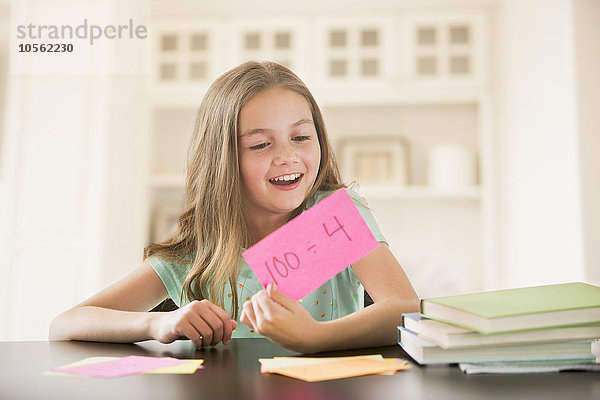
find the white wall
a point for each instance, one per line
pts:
(71, 177)
(539, 219)
(586, 15)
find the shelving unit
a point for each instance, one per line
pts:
(413, 74)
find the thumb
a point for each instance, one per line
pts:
(278, 296)
(233, 324)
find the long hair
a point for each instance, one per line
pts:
(213, 229)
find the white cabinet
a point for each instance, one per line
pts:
(410, 81)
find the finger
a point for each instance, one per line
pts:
(248, 317)
(259, 314)
(200, 324)
(216, 327)
(226, 321)
(275, 294)
(248, 312)
(269, 308)
(190, 332)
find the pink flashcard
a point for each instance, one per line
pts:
(313, 247)
(122, 366)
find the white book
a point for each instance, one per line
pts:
(526, 368)
(452, 337)
(425, 352)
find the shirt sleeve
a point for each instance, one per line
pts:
(172, 276)
(367, 215)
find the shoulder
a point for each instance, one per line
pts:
(172, 273)
(361, 205)
(322, 194)
(158, 262)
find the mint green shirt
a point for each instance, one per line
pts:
(341, 295)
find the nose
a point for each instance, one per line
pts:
(285, 154)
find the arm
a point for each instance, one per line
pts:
(284, 321)
(119, 314)
(376, 325)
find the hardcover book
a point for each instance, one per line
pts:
(520, 309)
(452, 337)
(425, 352)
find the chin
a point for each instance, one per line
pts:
(287, 208)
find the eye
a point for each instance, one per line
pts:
(301, 138)
(259, 146)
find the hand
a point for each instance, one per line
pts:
(202, 322)
(281, 319)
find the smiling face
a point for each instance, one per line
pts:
(279, 153)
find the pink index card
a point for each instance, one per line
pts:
(122, 366)
(313, 247)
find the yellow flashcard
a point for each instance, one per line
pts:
(268, 363)
(85, 361)
(339, 369)
(187, 368)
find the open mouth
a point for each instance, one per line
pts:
(285, 180)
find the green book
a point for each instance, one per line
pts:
(511, 310)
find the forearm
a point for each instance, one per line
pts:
(100, 324)
(372, 326)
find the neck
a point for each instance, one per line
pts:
(261, 226)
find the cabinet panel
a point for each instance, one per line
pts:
(353, 50)
(186, 55)
(283, 40)
(438, 243)
(444, 48)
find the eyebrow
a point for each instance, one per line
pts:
(263, 130)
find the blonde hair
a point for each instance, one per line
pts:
(213, 228)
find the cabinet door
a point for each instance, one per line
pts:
(354, 50)
(281, 40)
(444, 49)
(186, 56)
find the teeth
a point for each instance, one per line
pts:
(289, 177)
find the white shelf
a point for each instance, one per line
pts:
(421, 193)
(336, 97)
(410, 192)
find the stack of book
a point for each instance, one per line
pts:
(515, 330)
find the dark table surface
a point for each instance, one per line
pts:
(233, 372)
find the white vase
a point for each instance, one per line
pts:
(452, 166)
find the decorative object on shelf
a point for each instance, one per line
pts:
(452, 166)
(375, 161)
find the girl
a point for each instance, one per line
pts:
(258, 157)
